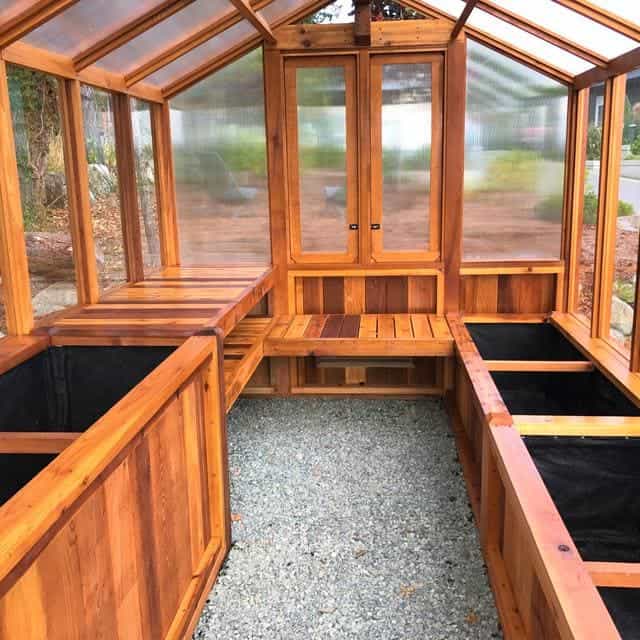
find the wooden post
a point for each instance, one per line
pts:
(608, 205)
(13, 253)
(455, 103)
(165, 184)
(574, 198)
(277, 172)
(77, 174)
(362, 23)
(125, 158)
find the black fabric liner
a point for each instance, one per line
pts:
(624, 607)
(595, 485)
(521, 341)
(65, 389)
(562, 394)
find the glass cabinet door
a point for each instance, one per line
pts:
(406, 157)
(322, 158)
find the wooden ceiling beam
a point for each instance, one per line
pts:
(622, 64)
(540, 32)
(36, 14)
(260, 24)
(127, 32)
(362, 23)
(501, 46)
(604, 17)
(462, 20)
(221, 60)
(187, 44)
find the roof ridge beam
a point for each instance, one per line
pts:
(31, 18)
(187, 44)
(462, 20)
(260, 24)
(127, 32)
(542, 33)
(603, 17)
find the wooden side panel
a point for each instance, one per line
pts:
(133, 559)
(509, 293)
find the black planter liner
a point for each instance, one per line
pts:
(65, 389)
(522, 341)
(624, 607)
(562, 394)
(595, 485)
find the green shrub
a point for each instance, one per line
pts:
(625, 209)
(635, 147)
(550, 208)
(594, 143)
(590, 210)
(512, 171)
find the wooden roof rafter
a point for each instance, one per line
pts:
(127, 32)
(258, 22)
(214, 64)
(183, 46)
(622, 64)
(31, 18)
(462, 20)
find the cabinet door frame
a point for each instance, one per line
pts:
(349, 63)
(433, 252)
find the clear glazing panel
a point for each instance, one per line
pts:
(85, 23)
(623, 299)
(627, 9)
(204, 53)
(146, 184)
(406, 156)
(338, 12)
(100, 142)
(219, 148)
(322, 158)
(45, 210)
(567, 23)
(165, 34)
(584, 300)
(515, 134)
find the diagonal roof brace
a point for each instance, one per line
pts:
(249, 13)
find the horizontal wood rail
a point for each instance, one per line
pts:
(596, 426)
(35, 441)
(539, 365)
(378, 335)
(615, 574)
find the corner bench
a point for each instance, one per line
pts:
(374, 335)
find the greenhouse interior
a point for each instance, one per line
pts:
(413, 422)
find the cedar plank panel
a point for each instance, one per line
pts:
(315, 327)
(312, 296)
(333, 295)
(332, 326)
(350, 327)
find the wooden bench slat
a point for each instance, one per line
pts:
(350, 327)
(439, 327)
(386, 326)
(368, 326)
(332, 326)
(403, 325)
(297, 327)
(421, 326)
(315, 327)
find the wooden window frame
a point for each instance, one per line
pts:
(378, 252)
(349, 63)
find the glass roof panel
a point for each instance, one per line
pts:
(198, 56)
(85, 23)
(280, 8)
(165, 34)
(452, 7)
(11, 8)
(528, 43)
(564, 22)
(627, 9)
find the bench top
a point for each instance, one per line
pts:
(406, 334)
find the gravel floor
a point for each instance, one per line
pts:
(350, 521)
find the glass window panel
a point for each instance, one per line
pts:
(406, 156)
(175, 28)
(584, 300)
(452, 7)
(322, 144)
(338, 12)
(570, 24)
(205, 52)
(628, 9)
(146, 183)
(99, 133)
(628, 222)
(85, 23)
(516, 123)
(219, 147)
(38, 136)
